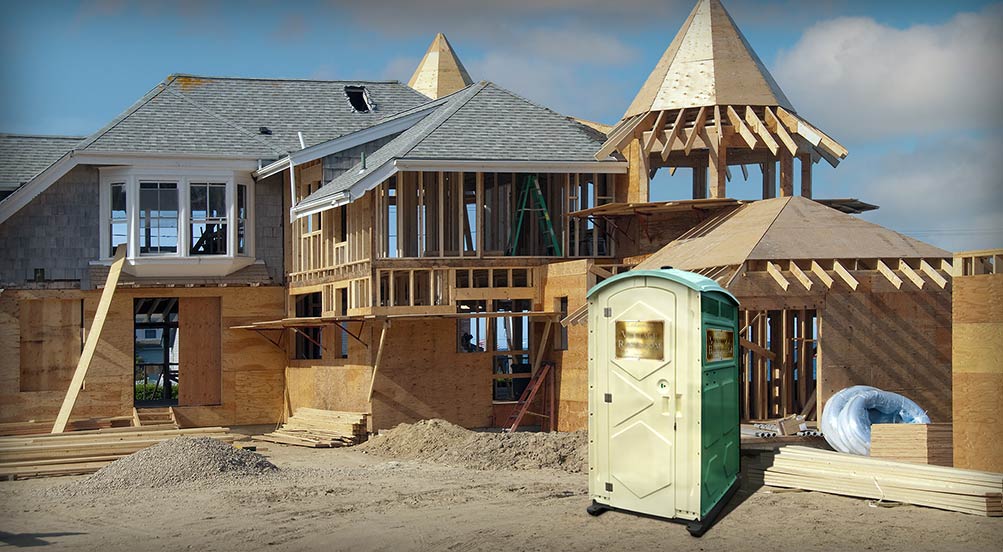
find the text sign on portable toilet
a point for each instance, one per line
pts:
(663, 396)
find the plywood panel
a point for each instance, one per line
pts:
(263, 389)
(50, 331)
(199, 366)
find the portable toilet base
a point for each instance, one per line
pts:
(663, 397)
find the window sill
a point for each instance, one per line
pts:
(182, 267)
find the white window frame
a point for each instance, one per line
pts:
(159, 264)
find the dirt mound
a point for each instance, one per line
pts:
(182, 461)
(442, 442)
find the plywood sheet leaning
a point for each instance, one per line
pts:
(977, 368)
(967, 491)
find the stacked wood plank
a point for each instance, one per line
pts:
(919, 443)
(968, 491)
(45, 426)
(310, 427)
(84, 451)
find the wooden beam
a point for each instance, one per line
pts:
(743, 131)
(90, 346)
(757, 349)
(911, 274)
(700, 122)
(655, 131)
(543, 346)
(786, 174)
(800, 275)
(775, 126)
(805, 175)
(822, 274)
(774, 271)
(759, 128)
(845, 275)
(717, 124)
(673, 135)
(888, 273)
(379, 358)
(928, 269)
(600, 271)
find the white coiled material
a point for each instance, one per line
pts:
(849, 414)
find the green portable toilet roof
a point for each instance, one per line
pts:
(691, 280)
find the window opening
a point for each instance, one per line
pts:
(359, 97)
(155, 351)
(241, 218)
(471, 333)
(308, 340)
(118, 221)
(208, 219)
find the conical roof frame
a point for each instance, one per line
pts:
(708, 63)
(440, 72)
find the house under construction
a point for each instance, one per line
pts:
(424, 251)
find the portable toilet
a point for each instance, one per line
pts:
(663, 396)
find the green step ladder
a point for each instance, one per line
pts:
(531, 190)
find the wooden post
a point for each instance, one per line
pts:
(700, 182)
(717, 168)
(805, 175)
(786, 173)
(768, 180)
(637, 175)
(93, 336)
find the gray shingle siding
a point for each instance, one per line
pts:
(58, 231)
(269, 218)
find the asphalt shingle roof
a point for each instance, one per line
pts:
(24, 156)
(482, 122)
(223, 115)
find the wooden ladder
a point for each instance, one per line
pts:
(526, 399)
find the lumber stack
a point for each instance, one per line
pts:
(45, 426)
(84, 451)
(918, 443)
(310, 427)
(968, 491)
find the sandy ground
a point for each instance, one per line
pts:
(340, 499)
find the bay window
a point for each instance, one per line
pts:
(178, 222)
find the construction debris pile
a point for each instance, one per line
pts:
(180, 462)
(968, 491)
(442, 442)
(310, 427)
(83, 452)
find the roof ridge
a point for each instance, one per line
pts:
(219, 117)
(129, 111)
(279, 79)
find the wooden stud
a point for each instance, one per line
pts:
(822, 274)
(769, 170)
(774, 271)
(845, 274)
(889, 274)
(911, 274)
(739, 125)
(90, 345)
(933, 274)
(717, 167)
(700, 122)
(800, 275)
(786, 174)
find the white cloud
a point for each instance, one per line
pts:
(945, 192)
(862, 80)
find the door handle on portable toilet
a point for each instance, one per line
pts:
(665, 391)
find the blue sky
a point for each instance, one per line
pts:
(913, 89)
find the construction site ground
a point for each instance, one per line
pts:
(345, 499)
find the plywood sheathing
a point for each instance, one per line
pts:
(440, 72)
(709, 62)
(251, 372)
(977, 370)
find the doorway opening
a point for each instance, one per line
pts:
(156, 349)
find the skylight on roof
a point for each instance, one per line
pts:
(358, 96)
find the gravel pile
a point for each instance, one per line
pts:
(442, 442)
(179, 462)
